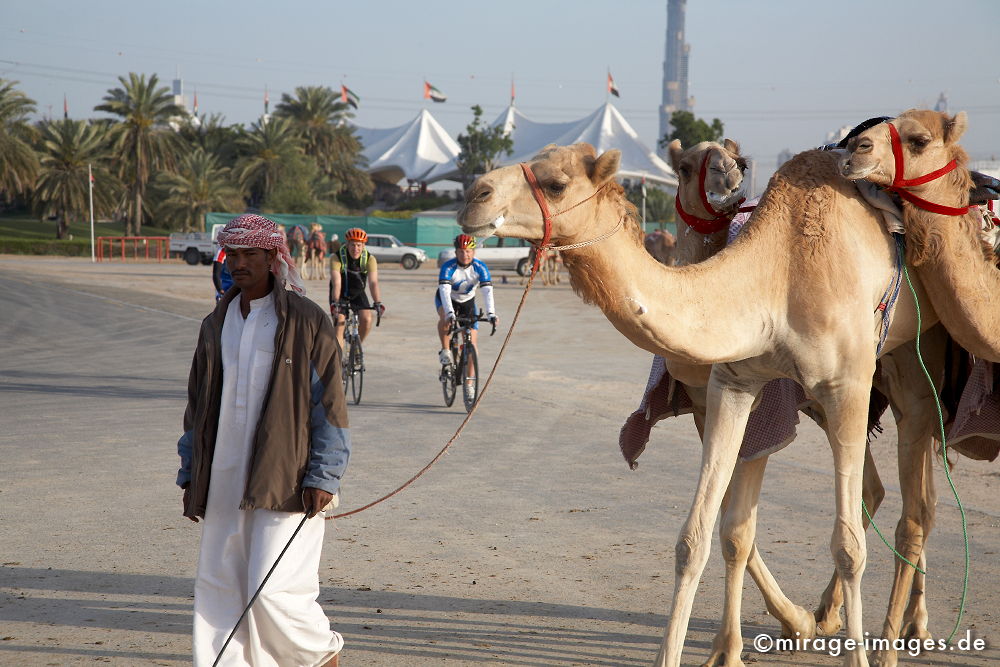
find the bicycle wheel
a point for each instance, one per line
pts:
(356, 360)
(346, 364)
(470, 377)
(448, 384)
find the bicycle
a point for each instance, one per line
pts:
(353, 355)
(464, 366)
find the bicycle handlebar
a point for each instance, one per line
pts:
(346, 304)
(463, 322)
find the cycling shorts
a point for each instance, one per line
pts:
(463, 309)
(359, 301)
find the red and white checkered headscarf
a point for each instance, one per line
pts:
(255, 231)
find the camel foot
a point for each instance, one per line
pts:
(887, 658)
(801, 625)
(915, 629)
(725, 659)
(828, 622)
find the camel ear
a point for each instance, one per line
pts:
(675, 150)
(955, 128)
(731, 146)
(605, 167)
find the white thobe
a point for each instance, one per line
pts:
(285, 626)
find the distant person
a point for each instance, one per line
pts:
(265, 440)
(221, 278)
(456, 293)
(353, 269)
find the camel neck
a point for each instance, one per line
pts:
(695, 314)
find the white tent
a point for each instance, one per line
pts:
(604, 129)
(412, 151)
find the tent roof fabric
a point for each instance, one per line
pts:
(409, 151)
(604, 129)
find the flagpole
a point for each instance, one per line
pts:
(607, 87)
(90, 182)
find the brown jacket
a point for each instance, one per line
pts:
(301, 439)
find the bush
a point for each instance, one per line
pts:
(74, 248)
(394, 215)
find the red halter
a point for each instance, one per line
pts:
(547, 216)
(718, 221)
(899, 183)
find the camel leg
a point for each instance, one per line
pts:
(911, 397)
(827, 615)
(847, 417)
(729, 403)
(737, 531)
(915, 618)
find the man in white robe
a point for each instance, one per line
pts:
(267, 364)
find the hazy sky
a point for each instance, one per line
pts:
(778, 73)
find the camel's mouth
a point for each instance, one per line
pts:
(851, 170)
(480, 230)
(721, 201)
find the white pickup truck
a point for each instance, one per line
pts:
(498, 253)
(195, 247)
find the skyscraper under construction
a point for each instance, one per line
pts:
(675, 67)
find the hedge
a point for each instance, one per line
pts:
(16, 246)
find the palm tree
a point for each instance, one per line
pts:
(144, 141)
(67, 147)
(199, 186)
(320, 118)
(18, 162)
(270, 147)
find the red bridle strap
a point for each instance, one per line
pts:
(899, 183)
(536, 191)
(718, 221)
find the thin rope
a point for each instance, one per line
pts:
(606, 235)
(468, 416)
(947, 467)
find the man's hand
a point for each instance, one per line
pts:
(380, 307)
(984, 188)
(314, 500)
(187, 497)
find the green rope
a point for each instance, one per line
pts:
(947, 468)
(878, 532)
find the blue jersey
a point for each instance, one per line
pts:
(459, 283)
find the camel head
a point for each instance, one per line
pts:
(724, 171)
(501, 202)
(929, 141)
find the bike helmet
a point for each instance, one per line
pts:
(356, 234)
(465, 241)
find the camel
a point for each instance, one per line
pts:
(661, 244)
(315, 252)
(548, 267)
(945, 248)
(710, 178)
(798, 287)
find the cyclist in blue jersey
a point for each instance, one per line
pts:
(456, 292)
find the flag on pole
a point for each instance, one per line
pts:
(348, 96)
(512, 90)
(65, 107)
(267, 100)
(611, 86)
(195, 102)
(432, 93)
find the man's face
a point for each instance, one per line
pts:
(354, 248)
(465, 256)
(250, 267)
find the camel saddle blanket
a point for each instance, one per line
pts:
(974, 432)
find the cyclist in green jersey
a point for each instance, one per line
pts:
(351, 270)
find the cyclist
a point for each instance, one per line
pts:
(351, 269)
(456, 292)
(221, 278)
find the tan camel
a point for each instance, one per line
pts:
(710, 178)
(945, 247)
(661, 244)
(799, 287)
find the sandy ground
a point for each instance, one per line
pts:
(530, 544)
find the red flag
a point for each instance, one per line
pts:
(65, 107)
(432, 93)
(512, 91)
(196, 103)
(611, 86)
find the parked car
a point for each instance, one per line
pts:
(498, 253)
(387, 248)
(196, 246)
